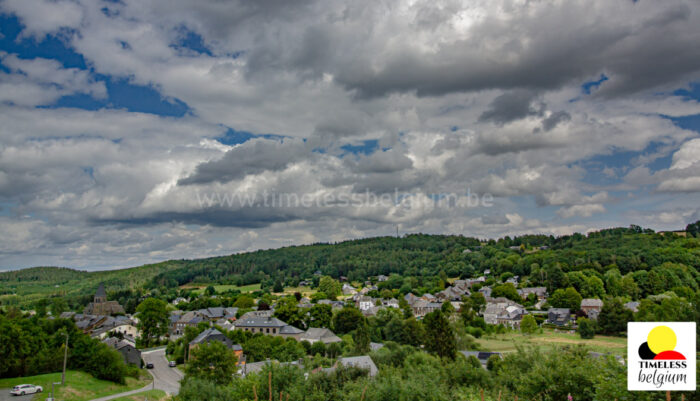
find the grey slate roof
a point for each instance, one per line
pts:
(101, 291)
(288, 329)
(255, 321)
(320, 334)
(363, 362)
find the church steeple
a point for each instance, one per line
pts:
(100, 295)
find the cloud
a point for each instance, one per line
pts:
(461, 99)
(581, 210)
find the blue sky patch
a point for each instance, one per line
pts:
(192, 41)
(590, 85)
(50, 47)
(367, 147)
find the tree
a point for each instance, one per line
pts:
(153, 319)
(506, 290)
(278, 287)
(288, 311)
(210, 290)
(568, 298)
(413, 332)
(528, 325)
(318, 348)
(212, 361)
(586, 328)
(478, 301)
(361, 337)
(346, 320)
(243, 302)
(439, 336)
(320, 315)
(613, 318)
(58, 306)
(329, 286)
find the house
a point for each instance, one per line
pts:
(390, 303)
(375, 346)
(267, 325)
(224, 324)
(559, 316)
(633, 306)
(592, 307)
(486, 291)
(410, 298)
(101, 306)
(333, 304)
(305, 283)
(179, 300)
(210, 335)
(505, 312)
(323, 335)
(482, 356)
(451, 294)
(422, 307)
(540, 292)
(189, 319)
(216, 313)
(364, 303)
(381, 278)
(348, 289)
(362, 362)
(127, 350)
(429, 297)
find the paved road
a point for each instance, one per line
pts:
(164, 377)
(6, 396)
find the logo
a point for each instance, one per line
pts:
(661, 356)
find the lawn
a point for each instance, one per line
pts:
(548, 340)
(150, 395)
(79, 386)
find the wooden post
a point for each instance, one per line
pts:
(280, 395)
(668, 395)
(499, 395)
(255, 393)
(481, 391)
(269, 384)
(363, 394)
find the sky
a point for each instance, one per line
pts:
(136, 131)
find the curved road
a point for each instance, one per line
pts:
(164, 377)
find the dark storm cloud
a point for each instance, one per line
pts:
(511, 106)
(252, 157)
(553, 120)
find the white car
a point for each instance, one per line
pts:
(23, 389)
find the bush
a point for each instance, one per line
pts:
(586, 328)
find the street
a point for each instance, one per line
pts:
(165, 377)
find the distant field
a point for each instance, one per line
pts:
(549, 340)
(79, 386)
(305, 291)
(198, 288)
(151, 395)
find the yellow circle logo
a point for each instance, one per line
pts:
(661, 338)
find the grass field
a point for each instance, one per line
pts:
(305, 291)
(548, 340)
(197, 289)
(79, 386)
(150, 395)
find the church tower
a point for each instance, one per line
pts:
(100, 295)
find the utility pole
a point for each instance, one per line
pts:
(65, 361)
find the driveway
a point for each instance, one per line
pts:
(164, 377)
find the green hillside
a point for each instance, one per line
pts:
(653, 262)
